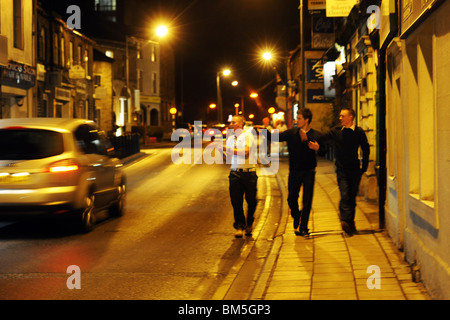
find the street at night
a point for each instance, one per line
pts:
(248, 151)
(175, 240)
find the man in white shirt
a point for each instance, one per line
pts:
(240, 152)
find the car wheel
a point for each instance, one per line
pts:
(118, 208)
(88, 216)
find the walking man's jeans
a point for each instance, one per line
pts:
(243, 184)
(296, 180)
(348, 181)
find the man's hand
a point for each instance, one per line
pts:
(303, 135)
(313, 145)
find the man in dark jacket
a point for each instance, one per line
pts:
(347, 140)
(302, 168)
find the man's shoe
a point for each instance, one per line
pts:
(248, 231)
(346, 227)
(304, 233)
(239, 233)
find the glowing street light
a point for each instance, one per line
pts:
(236, 106)
(225, 72)
(253, 95)
(173, 112)
(162, 31)
(267, 56)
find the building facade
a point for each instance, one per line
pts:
(64, 61)
(103, 91)
(17, 59)
(47, 67)
(394, 75)
(417, 114)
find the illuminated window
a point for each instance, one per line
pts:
(63, 52)
(105, 5)
(153, 54)
(71, 53)
(86, 62)
(108, 8)
(79, 57)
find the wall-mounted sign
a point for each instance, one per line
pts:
(18, 75)
(329, 71)
(314, 71)
(317, 4)
(340, 8)
(77, 72)
(150, 99)
(40, 72)
(322, 31)
(411, 11)
(315, 96)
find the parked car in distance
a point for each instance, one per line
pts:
(217, 131)
(60, 168)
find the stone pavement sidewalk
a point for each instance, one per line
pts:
(331, 265)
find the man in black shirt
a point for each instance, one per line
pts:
(302, 168)
(347, 140)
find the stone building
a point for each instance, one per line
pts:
(64, 60)
(17, 59)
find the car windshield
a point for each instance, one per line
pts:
(27, 144)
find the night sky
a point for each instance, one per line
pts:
(212, 34)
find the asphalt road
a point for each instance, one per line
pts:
(175, 242)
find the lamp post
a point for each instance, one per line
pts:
(226, 72)
(173, 112)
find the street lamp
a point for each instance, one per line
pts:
(161, 31)
(225, 72)
(173, 112)
(267, 56)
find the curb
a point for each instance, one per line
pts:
(268, 267)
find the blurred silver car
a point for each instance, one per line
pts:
(58, 167)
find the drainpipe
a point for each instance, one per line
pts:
(381, 127)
